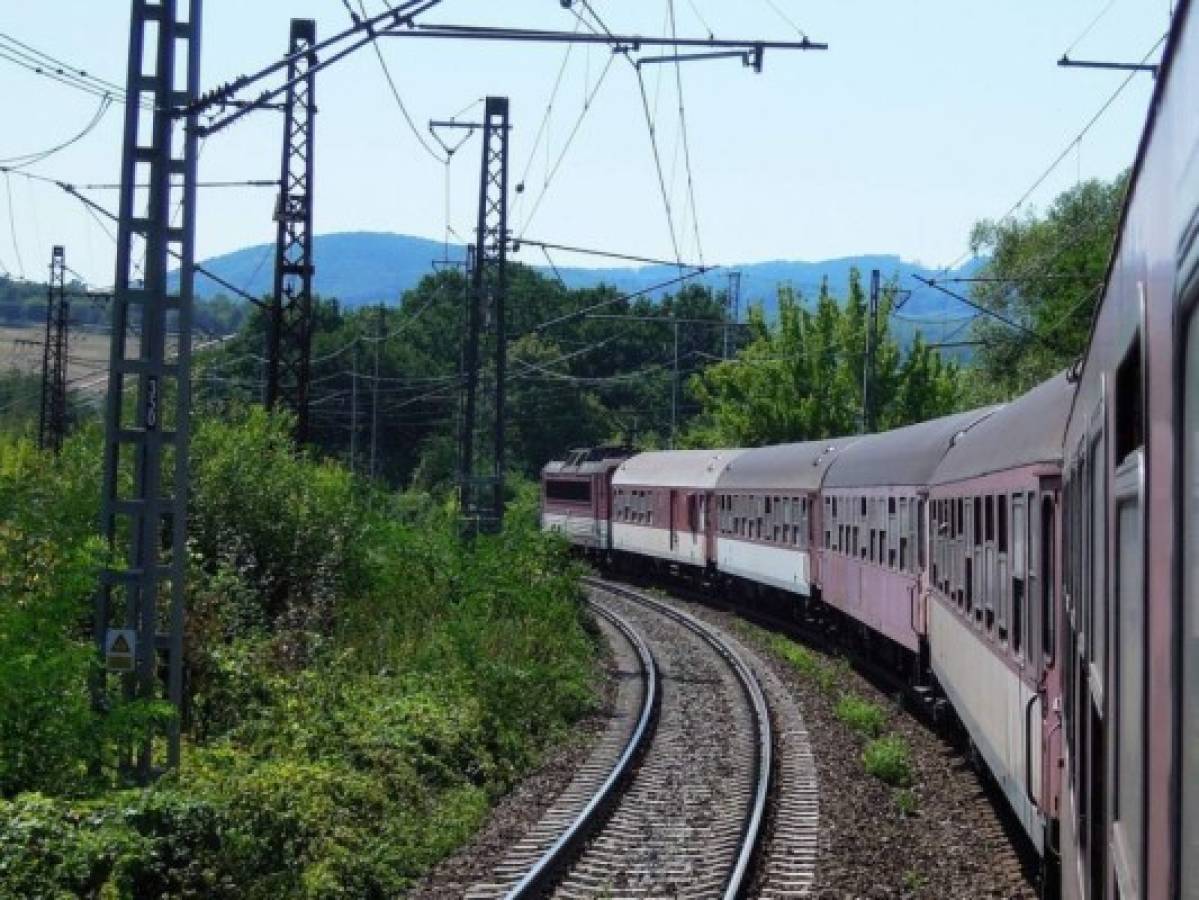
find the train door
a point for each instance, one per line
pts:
(672, 518)
(1187, 846)
(1087, 719)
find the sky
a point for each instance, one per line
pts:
(921, 118)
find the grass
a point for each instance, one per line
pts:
(861, 716)
(889, 759)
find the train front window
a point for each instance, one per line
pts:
(1190, 621)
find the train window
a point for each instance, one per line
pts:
(1098, 631)
(989, 518)
(919, 520)
(1130, 415)
(1002, 524)
(978, 521)
(863, 513)
(1190, 618)
(1019, 536)
(1129, 650)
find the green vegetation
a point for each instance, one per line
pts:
(906, 802)
(361, 685)
(888, 759)
(1046, 271)
(800, 377)
(914, 881)
(862, 716)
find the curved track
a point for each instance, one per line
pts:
(539, 858)
(695, 813)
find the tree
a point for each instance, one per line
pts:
(801, 377)
(1044, 272)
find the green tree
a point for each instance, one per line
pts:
(1044, 272)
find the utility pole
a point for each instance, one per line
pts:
(354, 407)
(674, 387)
(868, 398)
(146, 482)
(52, 424)
(289, 318)
(482, 495)
(380, 330)
(732, 302)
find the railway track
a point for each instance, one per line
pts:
(533, 864)
(679, 803)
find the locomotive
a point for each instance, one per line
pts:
(1034, 567)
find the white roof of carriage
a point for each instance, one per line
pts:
(697, 469)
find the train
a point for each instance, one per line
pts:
(1032, 568)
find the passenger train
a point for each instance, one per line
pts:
(1033, 566)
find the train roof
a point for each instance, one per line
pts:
(783, 467)
(904, 456)
(674, 468)
(587, 461)
(1027, 431)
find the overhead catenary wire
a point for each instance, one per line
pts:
(678, 77)
(28, 159)
(1057, 160)
(395, 92)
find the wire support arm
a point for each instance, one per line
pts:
(361, 33)
(620, 43)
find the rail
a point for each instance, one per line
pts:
(752, 831)
(541, 875)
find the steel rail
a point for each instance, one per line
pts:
(541, 876)
(752, 832)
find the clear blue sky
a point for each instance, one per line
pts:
(923, 117)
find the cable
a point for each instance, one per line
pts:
(1070, 146)
(395, 91)
(1095, 21)
(569, 141)
(786, 18)
(28, 159)
(653, 140)
(12, 226)
(678, 75)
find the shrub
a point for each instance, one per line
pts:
(862, 716)
(906, 802)
(888, 759)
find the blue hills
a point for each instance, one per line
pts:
(361, 268)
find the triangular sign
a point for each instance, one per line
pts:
(120, 645)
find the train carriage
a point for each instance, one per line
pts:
(1130, 635)
(575, 496)
(768, 514)
(874, 508)
(661, 505)
(992, 590)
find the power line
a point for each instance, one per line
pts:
(395, 91)
(28, 159)
(678, 77)
(1095, 21)
(1074, 142)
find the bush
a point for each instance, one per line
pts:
(828, 675)
(906, 802)
(361, 683)
(888, 759)
(862, 716)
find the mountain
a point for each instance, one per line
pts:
(368, 267)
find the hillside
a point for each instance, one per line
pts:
(368, 267)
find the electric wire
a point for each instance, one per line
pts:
(1057, 161)
(395, 91)
(678, 75)
(786, 18)
(1095, 21)
(12, 225)
(578, 124)
(28, 159)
